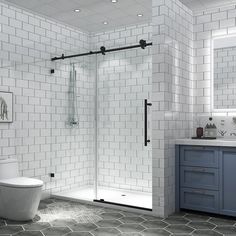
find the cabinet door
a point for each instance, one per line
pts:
(199, 177)
(228, 181)
(199, 156)
(200, 200)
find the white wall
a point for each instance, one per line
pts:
(172, 95)
(124, 81)
(39, 136)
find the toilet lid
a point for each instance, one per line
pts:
(21, 182)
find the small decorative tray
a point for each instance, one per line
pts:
(209, 138)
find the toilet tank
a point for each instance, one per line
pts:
(8, 168)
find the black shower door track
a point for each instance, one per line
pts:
(142, 44)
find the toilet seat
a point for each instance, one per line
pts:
(21, 182)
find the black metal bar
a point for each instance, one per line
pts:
(123, 205)
(142, 44)
(146, 104)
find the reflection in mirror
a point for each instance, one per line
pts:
(224, 76)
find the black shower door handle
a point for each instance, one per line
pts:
(146, 104)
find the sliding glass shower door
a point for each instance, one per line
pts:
(124, 159)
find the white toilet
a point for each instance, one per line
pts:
(19, 196)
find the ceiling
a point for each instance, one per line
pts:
(93, 13)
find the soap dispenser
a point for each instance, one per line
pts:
(210, 131)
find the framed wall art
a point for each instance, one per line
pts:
(6, 107)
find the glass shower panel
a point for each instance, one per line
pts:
(124, 163)
(73, 129)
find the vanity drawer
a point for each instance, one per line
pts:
(199, 156)
(200, 200)
(199, 177)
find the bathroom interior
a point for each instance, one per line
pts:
(117, 117)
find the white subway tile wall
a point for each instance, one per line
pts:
(172, 95)
(40, 137)
(124, 81)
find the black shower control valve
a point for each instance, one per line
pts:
(52, 175)
(52, 71)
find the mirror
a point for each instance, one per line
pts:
(224, 73)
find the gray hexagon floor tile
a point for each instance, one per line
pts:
(56, 231)
(222, 221)
(48, 201)
(130, 214)
(105, 232)
(173, 220)
(132, 220)
(206, 233)
(226, 230)
(130, 228)
(89, 220)
(147, 217)
(86, 227)
(154, 224)
(108, 223)
(130, 234)
(201, 225)
(181, 234)
(111, 216)
(67, 222)
(36, 226)
(196, 217)
(79, 234)
(11, 229)
(29, 233)
(155, 232)
(179, 229)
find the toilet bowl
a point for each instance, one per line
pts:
(19, 196)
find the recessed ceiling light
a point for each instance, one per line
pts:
(114, 1)
(77, 10)
(139, 15)
(105, 23)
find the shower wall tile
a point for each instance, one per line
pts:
(124, 81)
(172, 95)
(40, 137)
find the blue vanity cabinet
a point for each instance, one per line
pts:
(228, 181)
(206, 179)
(198, 175)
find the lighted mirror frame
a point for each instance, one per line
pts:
(213, 109)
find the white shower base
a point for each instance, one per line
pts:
(133, 198)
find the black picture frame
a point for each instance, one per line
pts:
(6, 105)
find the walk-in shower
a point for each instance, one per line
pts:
(121, 157)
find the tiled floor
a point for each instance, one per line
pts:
(57, 218)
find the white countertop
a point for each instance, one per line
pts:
(222, 142)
